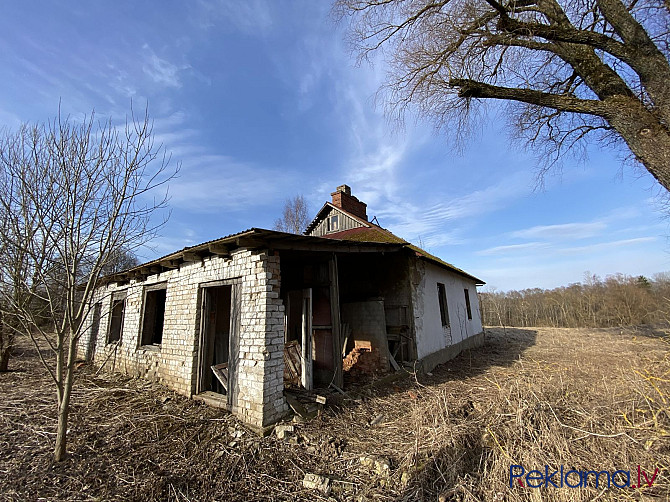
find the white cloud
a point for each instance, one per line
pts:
(434, 223)
(559, 267)
(602, 246)
(251, 16)
(565, 231)
(513, 248)
(214, 183)
(161, 71)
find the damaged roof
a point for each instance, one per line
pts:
(252, 238)
(369, 237)
(375, 233)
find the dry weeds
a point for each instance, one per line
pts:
(580, 398)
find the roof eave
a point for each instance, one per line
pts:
(253, 238)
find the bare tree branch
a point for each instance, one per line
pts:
(72, 205)
(598, 58)
(294, 218)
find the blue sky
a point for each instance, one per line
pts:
(262, 100)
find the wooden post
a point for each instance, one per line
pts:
(202, 345)
(335, 320)
(234, 343)
(306, 359)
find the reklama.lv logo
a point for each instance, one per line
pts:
(573, 478)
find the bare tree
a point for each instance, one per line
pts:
(617, 300)
(569, 69)
(6, 333)
(72, 194)
(120, 260)
(294, 216)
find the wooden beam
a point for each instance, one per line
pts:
(306, 346)
(191, 256)
(139, 275)
(331, 248)
(219, 249)
(169, 264)
(150, 270)
(250, 242)
(122, 278)
(391, 358)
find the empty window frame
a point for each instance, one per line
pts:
(333, 223)
(153, 314)
(117, 311)
(444, 309)
(467, 303)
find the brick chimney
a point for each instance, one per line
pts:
(343, 199)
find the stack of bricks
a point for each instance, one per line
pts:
(364, 360)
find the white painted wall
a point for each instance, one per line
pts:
(430, 334)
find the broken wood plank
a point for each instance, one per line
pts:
(297, 407)
(292, 369)
(338, 389)
(221, 373)
(345, 331)
(392, 360)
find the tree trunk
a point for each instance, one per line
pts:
(6, 345)
(61, 435)
(647, 138)
(5, 352)
(63, 414)
(64, 400)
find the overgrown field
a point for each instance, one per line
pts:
(585, 399)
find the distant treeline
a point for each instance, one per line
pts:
(616, 300)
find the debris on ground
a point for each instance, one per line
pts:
(316, 482)
(380, 465)
(532, 397)
(282, 430)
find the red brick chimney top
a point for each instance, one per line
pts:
(343, 199)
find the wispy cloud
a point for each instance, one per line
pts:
(602, 246)
(251, 16)
(434, 222)
(513, 248)
(161, 71)
(215, 183)
(565, 231)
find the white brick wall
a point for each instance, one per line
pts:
(259, 398)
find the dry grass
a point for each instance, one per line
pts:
(584, 399)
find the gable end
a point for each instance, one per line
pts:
(331, 221)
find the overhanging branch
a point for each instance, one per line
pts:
(473, 89)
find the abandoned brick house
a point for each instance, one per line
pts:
(245, 315)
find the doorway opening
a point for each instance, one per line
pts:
(215, 349)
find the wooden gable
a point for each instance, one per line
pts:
(331, 220)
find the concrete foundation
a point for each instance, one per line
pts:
(427, 363)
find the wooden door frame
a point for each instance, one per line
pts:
(233, 335)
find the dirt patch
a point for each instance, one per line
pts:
(584, 399)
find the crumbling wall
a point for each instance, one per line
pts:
(431, 335)
(368, 324)
(363, 360)
(258, 399)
